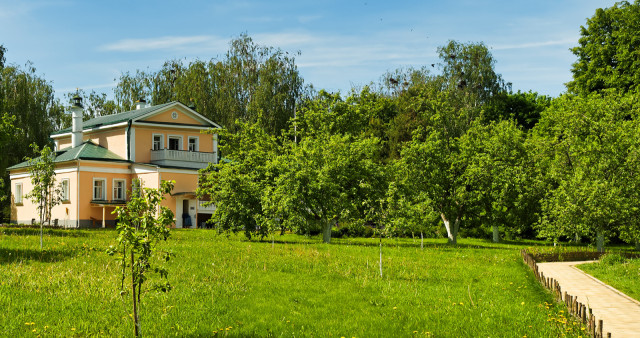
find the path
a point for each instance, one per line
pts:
(620, 313)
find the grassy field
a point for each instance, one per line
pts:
(622, 274)
(295, 287)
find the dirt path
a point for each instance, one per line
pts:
(620, 313)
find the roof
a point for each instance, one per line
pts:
(126, 116)
(86, 151)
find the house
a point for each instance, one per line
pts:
(97, 161)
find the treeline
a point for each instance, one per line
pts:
(458, 148)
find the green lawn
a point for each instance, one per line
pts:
(624, 275)
(296, 287)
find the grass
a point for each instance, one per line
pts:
(622, 274)
(294, 287)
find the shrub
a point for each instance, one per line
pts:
(611, 259)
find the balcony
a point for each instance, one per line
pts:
(182, 158)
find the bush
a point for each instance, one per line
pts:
(611, 259)
(352, 230)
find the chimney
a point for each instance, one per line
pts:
(76, 115)
(141, 104)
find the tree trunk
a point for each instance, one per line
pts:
(326, 231)
(380, 255)
(600, 240)
(577, 238)
(421, 241)
(136, 323)
(496, 234)
(452, 231)
(637, 245)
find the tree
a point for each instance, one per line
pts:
(251, 83)
(236, 188)
(44, 195)
(608, 51)
(325, 179)
(587, 145)
(142, 223)
(497, 174)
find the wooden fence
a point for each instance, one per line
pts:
(575, 308)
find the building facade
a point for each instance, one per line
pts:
(98, 160)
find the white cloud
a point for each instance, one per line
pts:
(166, 43)
(562, 42)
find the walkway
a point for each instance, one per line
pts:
(620, 313)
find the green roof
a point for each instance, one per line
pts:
(86, 151)
(115, 118)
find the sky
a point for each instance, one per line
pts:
(342, 44)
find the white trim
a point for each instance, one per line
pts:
(15, 193)
(137, 169)
(132, 144)
(109, 126)
(13, 177)
(178, 171)
(163, 145)
(124, 189)
(180, 144)
(104, 188)
(171, 126)
(105, 170)
(197, 138)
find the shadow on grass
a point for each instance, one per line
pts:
(29, 231)
(387, 243)
(10, 256)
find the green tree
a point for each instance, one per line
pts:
(587, 145)
(326, 179)
(236, 187)
(607, 54)
(44, 193)
(142, 223)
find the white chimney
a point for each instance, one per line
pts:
(76, 127)
(141, 104)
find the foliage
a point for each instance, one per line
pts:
(251, 83)
(28, 100)
(608, 51)
(588, 147)
(236, 187)
(522, 107)
(326, 179)
(296, 288)
(142, 223)
(44, 193)
(94, 104)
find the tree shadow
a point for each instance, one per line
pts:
(35, 231)
(11, 256)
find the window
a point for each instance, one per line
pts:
(18, 193)
(119, 192)
(175, 142)
(99, 189)
(64, 186)
(158, 141)
(193, 143)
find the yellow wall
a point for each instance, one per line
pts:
(166, 117)
(144, 140)
(114, 139)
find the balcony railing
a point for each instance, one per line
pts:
(182, 158)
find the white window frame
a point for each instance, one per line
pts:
(104, 189)
(65, 193)
(124, 189)
(197, 143)
(180, 144)
(153, 141)
(18, 196)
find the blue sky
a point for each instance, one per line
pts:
(87, 44)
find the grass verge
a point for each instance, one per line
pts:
(623, 274)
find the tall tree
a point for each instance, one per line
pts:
(608, 51)
(587, 145)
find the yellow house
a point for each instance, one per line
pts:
(96, 161)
